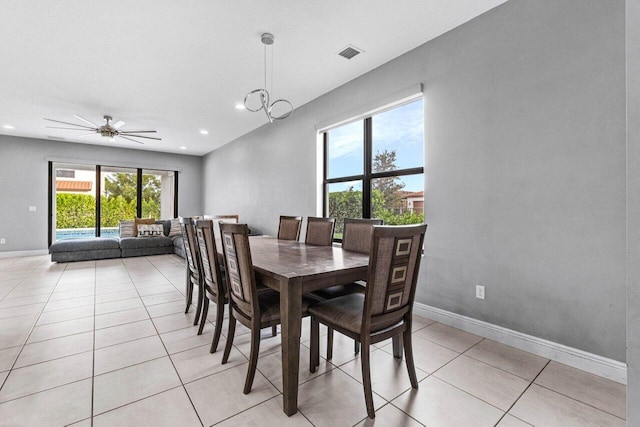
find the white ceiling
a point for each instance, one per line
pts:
(181, 66)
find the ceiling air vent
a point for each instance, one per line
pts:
(349, 52)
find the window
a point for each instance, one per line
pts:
(374, 167)
(124, 193)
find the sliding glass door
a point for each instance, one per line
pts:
(74, 203)
(118, 198)
(91, 200)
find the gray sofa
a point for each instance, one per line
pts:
(116, 247)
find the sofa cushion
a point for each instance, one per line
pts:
(125, 228)
(166, 225)
(150, 230)
(88, 244)
(139, 221)
(139, 242)
(175, 228)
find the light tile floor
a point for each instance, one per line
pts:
(107, 343)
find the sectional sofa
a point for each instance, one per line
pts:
(120, 247)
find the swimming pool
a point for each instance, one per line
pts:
(81, 233)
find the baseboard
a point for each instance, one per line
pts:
(589, 362)
(16, 254)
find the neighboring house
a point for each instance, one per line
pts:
(75, 181)
(413, 201)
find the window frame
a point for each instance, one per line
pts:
(368, 175)
(98, 168)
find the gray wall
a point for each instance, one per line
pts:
(23, 182)
(525, 168)
(633, 212)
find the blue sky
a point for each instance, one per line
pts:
(400, 129)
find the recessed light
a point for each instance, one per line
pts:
(8, 127)
(183, 148)
(204, 132)
(240, 107)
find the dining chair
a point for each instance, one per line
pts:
(194, 275)
(356, 237)
(253, 309)
(385, 309)
(213, 278)
(228, 218)
(320, 231)
(289, 227)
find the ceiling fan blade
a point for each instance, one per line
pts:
(118, 124)
(60, 127)
(124, 137)
(140, 136)
(72, 124)
(86, 121)
(138, 131)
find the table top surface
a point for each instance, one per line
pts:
(290, 258)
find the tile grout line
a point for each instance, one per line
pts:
(576, 400)
(31, 330)
(93, 359)
(522, 394)
(166, 350)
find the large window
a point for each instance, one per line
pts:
(90, 200)
(374, 167)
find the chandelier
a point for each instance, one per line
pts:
(260, 99)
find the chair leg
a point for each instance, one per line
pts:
(356, 346)
(366, 379)
(205, 311)
(274, 330)
(189, 292)
(329, 343)
(314, 360)
(219, 320)
(230, 334)
(408, 358)
(199, 306)
(253, 359)
(397, 347)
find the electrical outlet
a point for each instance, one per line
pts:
(480, 291)
(3, 241)
(32, 208)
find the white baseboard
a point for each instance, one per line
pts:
(589, 362)
(16, 254)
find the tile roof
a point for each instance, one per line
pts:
(62, 185)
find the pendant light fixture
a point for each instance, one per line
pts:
(260, 99)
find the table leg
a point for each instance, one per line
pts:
(291, 317)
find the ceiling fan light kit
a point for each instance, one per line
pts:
(262, 95)
(108, 130)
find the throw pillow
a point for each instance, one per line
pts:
(139, 221)
(175, 228)
(126, 228)
(150, 230)
(166, 225)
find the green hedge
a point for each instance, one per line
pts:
(78, 210)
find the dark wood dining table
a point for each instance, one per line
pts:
(293, 268)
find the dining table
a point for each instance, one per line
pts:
(294, 268)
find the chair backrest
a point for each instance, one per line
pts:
(211, 271)
(289, 228)
(356, 235)
(393, 274)
(320, 231)
(190, 245)
(221, 218)
(241, 277)
(234, 219)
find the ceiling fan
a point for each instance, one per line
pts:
(107, 130)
